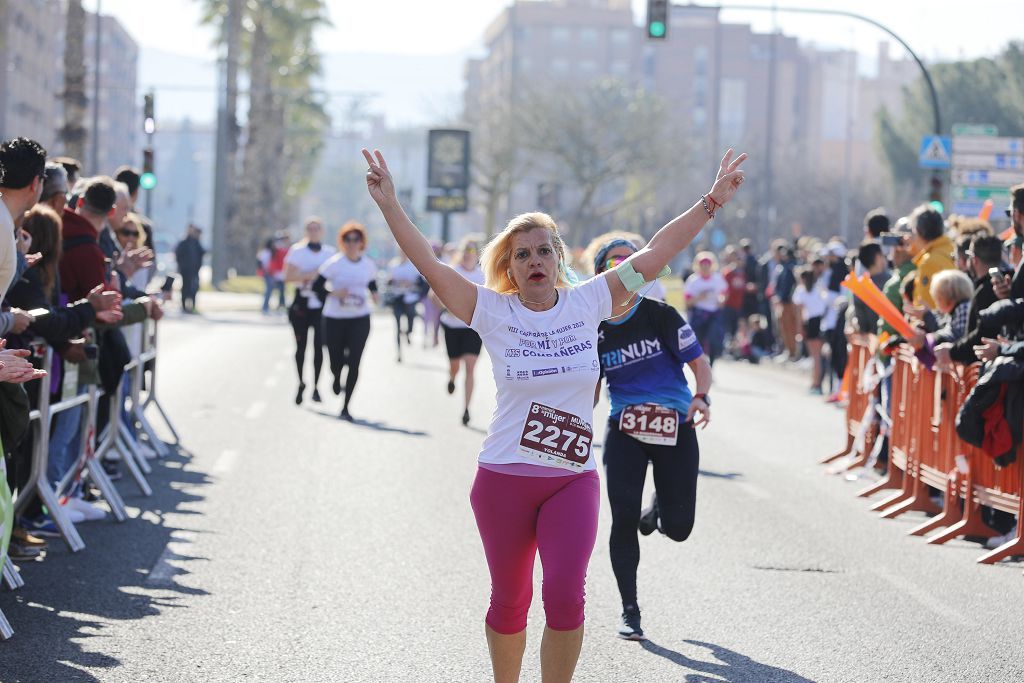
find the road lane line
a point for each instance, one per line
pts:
(934, 605)
(255, 410)
(225, 462)
(168, 564)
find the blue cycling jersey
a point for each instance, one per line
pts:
(643, 355)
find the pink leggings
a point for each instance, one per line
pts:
(517, 516)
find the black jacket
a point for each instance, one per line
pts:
(62, 323)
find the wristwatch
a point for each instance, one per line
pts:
(705, 398)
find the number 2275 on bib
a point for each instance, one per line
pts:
(556, 438)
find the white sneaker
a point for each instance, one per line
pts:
(90, 512)
(996, 541)
(74, 516)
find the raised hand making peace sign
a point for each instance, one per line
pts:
(729, 178)
(378, 178)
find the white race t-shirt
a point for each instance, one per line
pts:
(308, 261)
(405, 281)
(705, 293)
(354, 276)
(8, 257)
(812, 302)
(546, 368)
(476, 276)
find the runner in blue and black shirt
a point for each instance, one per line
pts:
(652, 420)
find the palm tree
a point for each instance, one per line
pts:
(73, 133)
(286, 119)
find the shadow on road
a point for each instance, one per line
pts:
(731, 476)
(69, 600)
(732, 667)
(371, 424)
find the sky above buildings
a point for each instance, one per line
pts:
(452, 29)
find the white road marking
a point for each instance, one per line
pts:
(933, 604)
(167, 565)
(255, 410)
(225, 462)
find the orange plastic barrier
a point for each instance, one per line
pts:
(924, 450)
(861, 349)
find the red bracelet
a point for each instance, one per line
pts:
(716, 204)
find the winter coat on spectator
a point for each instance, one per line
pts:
(935, 257)
(992, 417)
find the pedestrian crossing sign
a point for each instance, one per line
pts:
(936, 151)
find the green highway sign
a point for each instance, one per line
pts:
(998, 195)
(975, 129)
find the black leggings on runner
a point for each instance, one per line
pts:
(403, 310)
(675, 483)
(346, 339)
(302, 319)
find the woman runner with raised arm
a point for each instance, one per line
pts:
(536, 487)
(652, 419)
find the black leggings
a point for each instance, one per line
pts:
(400, 310)
(302, 319)
(675, 483)
(346, 339)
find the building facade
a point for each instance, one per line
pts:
(31, 71)
(801, 112)
(119, 103)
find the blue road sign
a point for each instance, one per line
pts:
(936, 151)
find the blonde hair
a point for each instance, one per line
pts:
(496, 257)
(460, 251)
(587, 258)
(951, 286)
(135, 220)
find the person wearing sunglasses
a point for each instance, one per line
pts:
(347, 284)
(461, 343)
(1006, 286)
(536, 488)
(652, 420)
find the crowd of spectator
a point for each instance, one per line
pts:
(956, 281)
(74, 270)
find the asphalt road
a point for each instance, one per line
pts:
(282, 544)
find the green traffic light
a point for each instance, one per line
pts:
(147, 181)
(656, 29)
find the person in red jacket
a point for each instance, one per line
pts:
(82, 265)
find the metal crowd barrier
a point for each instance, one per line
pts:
(926, 452)
(115, 440)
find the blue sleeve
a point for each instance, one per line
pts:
(678, 337)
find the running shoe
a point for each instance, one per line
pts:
(112, 470)
(298, 394)
(21, 535)
(465, 417)
(629, 628)
(20, 552)
(90, 512)
(345, 415)
(649, 519)
(316, 396)
(41, 526)
(451, 386)
(336, 385)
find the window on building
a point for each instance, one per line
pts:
(700, 60)
(619, 67)
(560, 35)
(560, 66)
(588, 36)
(588, 67)
(732, 114)
(620, 37)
